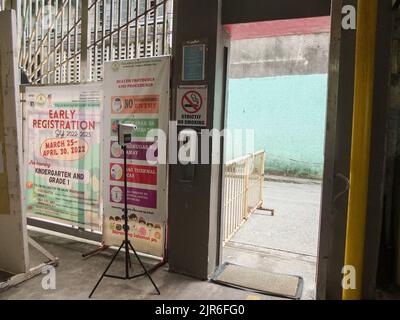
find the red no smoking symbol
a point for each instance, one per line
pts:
(192, 102)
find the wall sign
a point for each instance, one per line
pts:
(136, 92)
(191, 106)
(63, 153)
(193, 68)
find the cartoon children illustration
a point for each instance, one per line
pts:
(142, 227)
(111, 223)
(133, 222)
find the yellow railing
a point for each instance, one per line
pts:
(243, 193)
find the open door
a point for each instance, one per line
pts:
(332, 234)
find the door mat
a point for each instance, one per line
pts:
(268, 283)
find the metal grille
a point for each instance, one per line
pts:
(55, 31)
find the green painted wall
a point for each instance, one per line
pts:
(287, 114)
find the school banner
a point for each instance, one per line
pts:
(136, 92)
(62, 153)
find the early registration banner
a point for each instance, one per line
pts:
(136, 92)
(62, 153)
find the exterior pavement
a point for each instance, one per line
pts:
(294, 227)
(286, 242)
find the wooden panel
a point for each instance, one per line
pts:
(13, 233)
(4, 202)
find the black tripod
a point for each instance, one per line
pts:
(125, 244)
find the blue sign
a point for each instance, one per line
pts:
(193, 62)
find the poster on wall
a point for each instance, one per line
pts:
(136, 92)
(62, 154)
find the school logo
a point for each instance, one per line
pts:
(115, 66)
(41, 100)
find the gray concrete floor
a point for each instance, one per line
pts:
(286, 242)
(75, 278)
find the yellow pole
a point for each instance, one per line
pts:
(361, 140)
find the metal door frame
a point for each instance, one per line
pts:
(333, 212)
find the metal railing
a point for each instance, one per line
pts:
(243, 190)
(66, 41)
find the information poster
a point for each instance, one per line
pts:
(136, 92)
(62, 153)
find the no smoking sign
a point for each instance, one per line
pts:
(191, 107)
(192, 102)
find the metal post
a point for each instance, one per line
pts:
(76, 79)
(119, 30)
(84, 41)
(361, 141)
(111, 47)
(126, 227)
(137, 44)
(128, 13)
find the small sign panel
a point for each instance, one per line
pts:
(191, 107)
(193, 62)
(127, 138)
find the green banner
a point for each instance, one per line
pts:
(63, 154)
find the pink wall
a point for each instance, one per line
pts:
(278, 28)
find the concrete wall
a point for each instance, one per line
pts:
(278, 86)
(278, 56)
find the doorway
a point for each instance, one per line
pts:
(272, 183)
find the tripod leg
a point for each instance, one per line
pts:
(130, 262)
(105, 271)
(144, 268)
